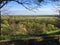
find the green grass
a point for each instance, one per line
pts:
(52, 32)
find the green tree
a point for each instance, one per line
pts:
(43, 28)
(50, 27)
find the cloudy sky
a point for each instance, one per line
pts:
(13, 8)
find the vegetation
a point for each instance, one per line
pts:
(25, 26)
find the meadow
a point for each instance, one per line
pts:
(27, 26)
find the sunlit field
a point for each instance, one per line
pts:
(16, 27)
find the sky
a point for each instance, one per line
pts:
(13, 8)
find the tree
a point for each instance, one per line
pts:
(25, 2)
(51, 27)
(56, 6)
(28, 4)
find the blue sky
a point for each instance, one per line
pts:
(13, 8)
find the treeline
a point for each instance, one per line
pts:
(25, 26)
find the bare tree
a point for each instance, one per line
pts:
(28, 4)
(56, 6)
(25, 3)
(22, 2)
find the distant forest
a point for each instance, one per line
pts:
(25, 26)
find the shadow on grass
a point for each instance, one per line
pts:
(32, 42)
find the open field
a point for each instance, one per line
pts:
(17, 27)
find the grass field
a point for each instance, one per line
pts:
(16, 26)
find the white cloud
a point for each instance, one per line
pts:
(45, 9)
(16, 9)
(25, 11)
